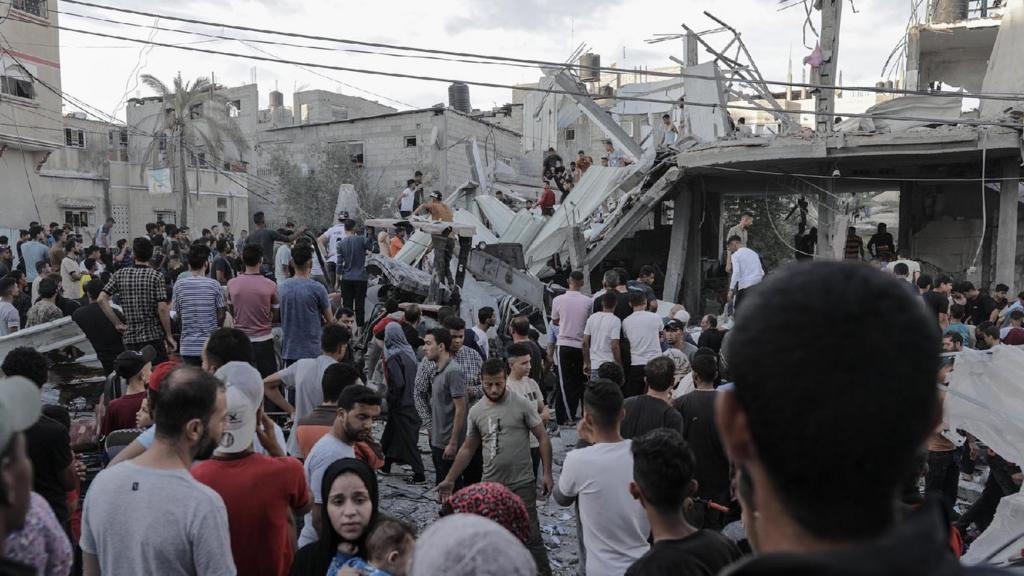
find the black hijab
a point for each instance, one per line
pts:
(314, 559)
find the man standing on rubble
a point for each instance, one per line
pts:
(746, 270)
(616, 159)
(569, 312)
(551, 161)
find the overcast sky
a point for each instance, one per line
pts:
(102, 71)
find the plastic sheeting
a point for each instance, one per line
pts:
(986, 398)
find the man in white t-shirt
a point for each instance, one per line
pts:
(328, 245)
(407, 199)
(913, 266)
(614, 526)
(642, 329)
(601, 336)
(486, 319)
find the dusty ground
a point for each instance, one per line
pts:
(418, 504)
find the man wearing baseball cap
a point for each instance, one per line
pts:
(259, 491)
(135, 368)
(437, 209)
(20, 407)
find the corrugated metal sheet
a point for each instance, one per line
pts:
(524, 229)
(670, 89)
(597, 185)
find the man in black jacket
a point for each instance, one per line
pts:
(825, 428)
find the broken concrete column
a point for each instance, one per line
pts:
(827, 222)
(1006, 241)
(948, 11)
(681, 209)
(906, 219)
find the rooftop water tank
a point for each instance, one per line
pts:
(590, 67)
(458, 97)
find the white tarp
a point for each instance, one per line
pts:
(1004, 74)
(986, 398)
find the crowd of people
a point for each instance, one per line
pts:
(695, 455)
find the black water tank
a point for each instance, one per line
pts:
(458, 97)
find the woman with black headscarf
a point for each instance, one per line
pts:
(348, 514)
(402, 432)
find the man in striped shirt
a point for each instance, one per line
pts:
(199, 301)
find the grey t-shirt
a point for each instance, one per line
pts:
(9, 318)
(504, 431)
(265, 238)
(325, 452)
(305, 377)
(140, 520)
(446, 385)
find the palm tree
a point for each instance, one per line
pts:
(194, 115)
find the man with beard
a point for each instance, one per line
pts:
(358, 408)
(119, 534)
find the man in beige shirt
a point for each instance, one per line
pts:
(70, 271)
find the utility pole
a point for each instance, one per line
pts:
(825, 75)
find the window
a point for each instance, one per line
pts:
(74, 138)
(15, 81)
(124, 138)
(163, 142)
(234, 108)
(197, 159)
(167, 217)
(195, 112)
(627, 125)
(410, 141)
(76, 219)
(355, 152)
(304, 113)
(33, 7)
(222, 203)
(222, 216)
(570, 134)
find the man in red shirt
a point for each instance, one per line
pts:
(546, 202)
(135, 368)
(259, 492)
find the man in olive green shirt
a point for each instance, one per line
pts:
(503, 422)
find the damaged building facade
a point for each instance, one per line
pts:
(952, 169)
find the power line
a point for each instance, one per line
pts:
(532, 62)
(964, 121)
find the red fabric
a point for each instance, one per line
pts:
(259, 493)
(547, 199)
(496, 502)
(1015, 337)
(396, 245)
(378, 328)
(160, 371)
(121, 412)
(956, 542)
